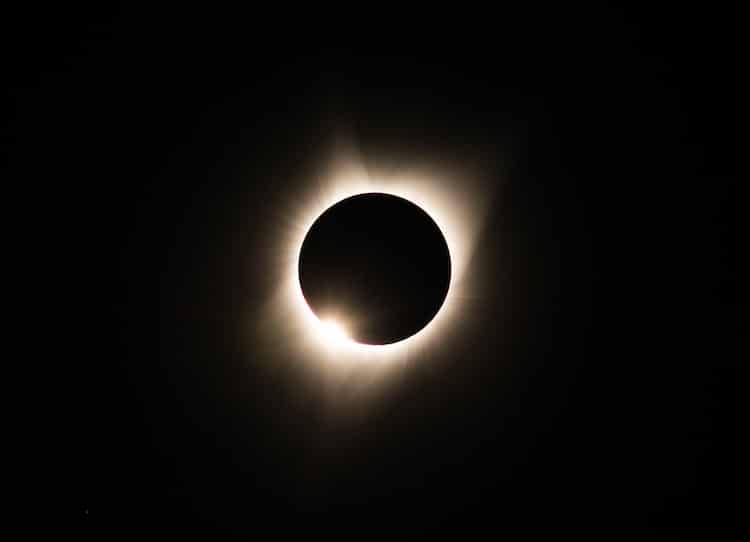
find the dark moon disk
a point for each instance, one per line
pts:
(378, 264)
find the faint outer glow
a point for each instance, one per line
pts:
(454, 197)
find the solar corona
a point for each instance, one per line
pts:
(375, 264)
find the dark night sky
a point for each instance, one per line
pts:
(597, 389)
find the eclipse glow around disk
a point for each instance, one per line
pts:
(452, 197)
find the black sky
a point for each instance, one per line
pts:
(597, 389)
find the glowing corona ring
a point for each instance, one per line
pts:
(453, 198)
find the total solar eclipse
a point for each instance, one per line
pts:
(378, 265)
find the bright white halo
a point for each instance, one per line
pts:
(334, 331)
(455, 198)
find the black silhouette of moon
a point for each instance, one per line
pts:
(378, 264)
